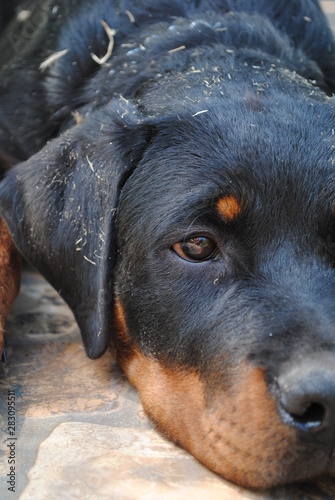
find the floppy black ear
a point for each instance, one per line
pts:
(60, 207)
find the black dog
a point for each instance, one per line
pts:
(186, 208)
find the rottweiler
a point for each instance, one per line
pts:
(169, 167)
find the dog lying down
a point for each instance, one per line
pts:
(174, 180)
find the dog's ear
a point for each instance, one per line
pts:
(60, 207)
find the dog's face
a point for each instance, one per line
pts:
(225, 287)
(224, 283)
(208, 253)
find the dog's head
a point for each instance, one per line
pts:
(204, 244)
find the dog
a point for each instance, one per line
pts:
(169, 168)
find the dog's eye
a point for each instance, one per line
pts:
(196, 249)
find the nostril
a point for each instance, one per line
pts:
(311, 419)
(305, 394)
(302, 411)
(306, 397)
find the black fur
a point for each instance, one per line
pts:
(243, 107)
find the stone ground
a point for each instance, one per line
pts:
(80, 431)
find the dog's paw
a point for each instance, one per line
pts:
(10, 272)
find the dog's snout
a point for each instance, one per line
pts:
(306, 400)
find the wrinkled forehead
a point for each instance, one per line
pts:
(258, 160)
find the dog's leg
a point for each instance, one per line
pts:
(10, 272)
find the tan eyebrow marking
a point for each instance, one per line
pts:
(229, 208)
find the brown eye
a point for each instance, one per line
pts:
(196, 249)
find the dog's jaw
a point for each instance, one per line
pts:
(237, 432)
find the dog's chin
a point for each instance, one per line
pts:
(238, 435)
(237, 432)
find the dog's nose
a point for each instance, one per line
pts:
(306, 400)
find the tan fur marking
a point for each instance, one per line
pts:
(239, 436)
(237, 433)
(10, 272)
(229, 208)
(125, 346)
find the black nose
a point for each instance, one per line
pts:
(306, 399)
